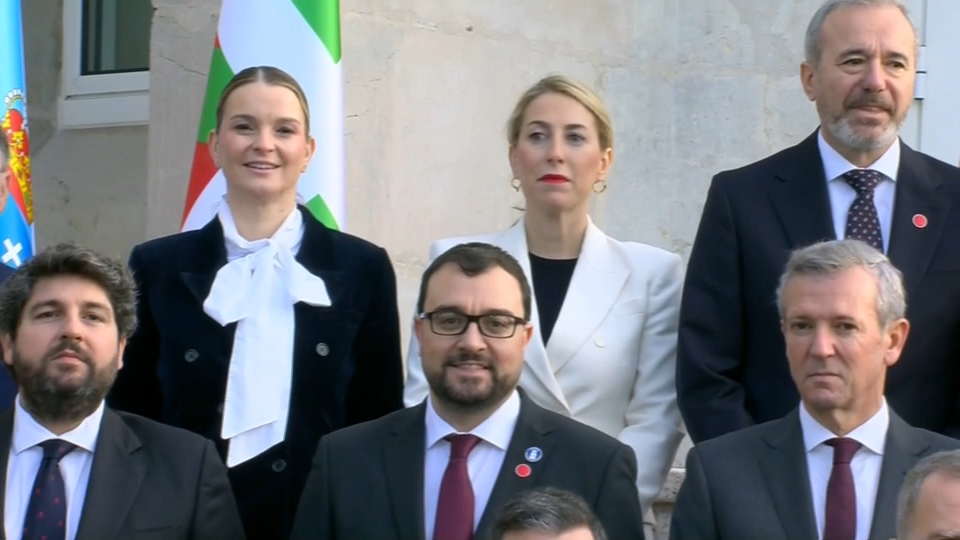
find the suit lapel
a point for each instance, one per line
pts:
(531, 431)
(900, 453)
(6, 439)
(911, 248)
(200, 264)
(403, 460)
(115, 478)
(594, 287)
(801, 199)
(536, 361)
(784, 468)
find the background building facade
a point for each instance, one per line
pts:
(115, 90)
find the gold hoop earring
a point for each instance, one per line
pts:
(599, 186)
(516, 184)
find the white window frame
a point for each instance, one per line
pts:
(114, 99)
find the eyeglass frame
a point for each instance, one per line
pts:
(517, 321)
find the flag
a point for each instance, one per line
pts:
(301, 37)
(16, 219)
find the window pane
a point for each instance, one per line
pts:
(116, 36)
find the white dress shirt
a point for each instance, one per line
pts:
(483, 464)
(24, 462)
(842, 194)
(865, 465)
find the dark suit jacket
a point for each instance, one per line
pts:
(149, 481)
(346, 369)
(8, 388)
(367, 480)
(754, 483)
(731, 364)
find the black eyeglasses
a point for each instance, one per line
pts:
(454, 323)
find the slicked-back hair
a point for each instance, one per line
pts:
(547, 510)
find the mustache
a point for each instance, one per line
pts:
(68, 346)
(870, 100)
(465, 358)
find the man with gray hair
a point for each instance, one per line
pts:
(832, 467)
(547, 513)
(852, 178)
(929, 506)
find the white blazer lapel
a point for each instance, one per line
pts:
(594, 287)
(537, 371)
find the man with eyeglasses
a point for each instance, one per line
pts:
(444, 468)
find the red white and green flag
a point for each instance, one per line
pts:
(301, 37)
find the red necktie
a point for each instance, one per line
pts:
(455, 504)
(841, 511)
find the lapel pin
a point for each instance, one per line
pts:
(523, 470)
(533, 454)
(920, 221)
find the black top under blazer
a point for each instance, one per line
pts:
(347, 365)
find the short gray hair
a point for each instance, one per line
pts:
(945, 463)
(812, 46)
(834, 256)
(67, 259)
(548, 510)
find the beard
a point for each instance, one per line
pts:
(53, 394)
(844, 131)
(469, 394)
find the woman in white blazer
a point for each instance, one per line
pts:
(605, 312)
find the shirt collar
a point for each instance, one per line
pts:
(496, 430)
(835, 165)
(27, 432)
(872, 434)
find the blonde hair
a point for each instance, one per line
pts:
(565, 86)
(271, 76)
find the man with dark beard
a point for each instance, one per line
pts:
(852, 178)
(75, 470)
(444, 468)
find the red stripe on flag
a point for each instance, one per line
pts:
(216, 41)
(202, 171)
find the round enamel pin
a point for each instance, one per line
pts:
(920, 221)
(523, 470)
(533, 454)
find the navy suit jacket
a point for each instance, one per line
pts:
(731, 364)
(367, 480)
(8, 388)
(347, 362)
(148, 481)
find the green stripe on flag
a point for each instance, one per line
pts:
(324, 17)
(220, 74)
(320, 211)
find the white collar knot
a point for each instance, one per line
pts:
(257, 289)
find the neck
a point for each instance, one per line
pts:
(859, 158)
(464, 419)
(842, 422)
(258, 219)
(555, 236)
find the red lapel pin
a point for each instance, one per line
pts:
(920, 221)
(523, 470)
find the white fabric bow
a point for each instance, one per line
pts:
(257, 289)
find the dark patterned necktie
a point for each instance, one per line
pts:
(456, 501)
(840, 521)
(47, 512)
(863, 223)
